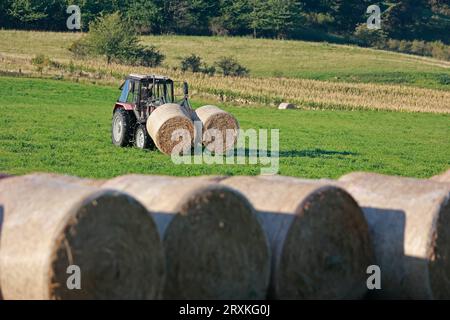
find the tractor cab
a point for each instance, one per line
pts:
(145, 93)
(140, 96)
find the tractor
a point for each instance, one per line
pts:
(140, 96)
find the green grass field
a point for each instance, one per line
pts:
(63, 127)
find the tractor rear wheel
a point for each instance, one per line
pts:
(122, 128)
(141, 138)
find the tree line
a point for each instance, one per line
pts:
(330, 20)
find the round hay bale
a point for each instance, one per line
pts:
(286, 106)
(4, 176)
(170, 126)
(318, 236)
(50, 225)
(216, 122)
(72, 179)
(215, 247)
(445, 177)
(409, 220)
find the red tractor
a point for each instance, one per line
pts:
(141, 95)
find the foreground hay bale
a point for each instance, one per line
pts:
(409, 221)
(318, 236)
(50, 225)
(218, 123)
(215, 247)
(166, 126)
(72, 179)
(445, 177)
(3, 176)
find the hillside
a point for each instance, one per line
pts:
(62, 126)
(312, 75)
(265, 58)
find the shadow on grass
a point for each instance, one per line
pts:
(316, 153)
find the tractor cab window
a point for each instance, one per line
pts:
(157, 92)
(164, 92)
(146, 91)
(129, 92)
(131, 98)
(125, 88)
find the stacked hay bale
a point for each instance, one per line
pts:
(50, 225)
(2, 176)
(445, 177)
(72, 179)
(318, 236)
(170, 126)
(409, 220)
(321, 240)
(220, 129)
(215, 247)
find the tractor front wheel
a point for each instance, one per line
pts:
(122, 128)
(141, 139)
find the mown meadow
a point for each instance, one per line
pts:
(64, 127)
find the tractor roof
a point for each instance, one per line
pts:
(141, 77)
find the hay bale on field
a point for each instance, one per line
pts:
(218, 123)
(445, 177)
(318, 236)
(170, 126)
(215, 247)
(50, 224)
(409, 220)
(287, 106)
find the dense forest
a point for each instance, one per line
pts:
(330, 20)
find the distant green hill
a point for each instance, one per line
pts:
(265, 58)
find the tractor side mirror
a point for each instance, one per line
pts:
(186, 88)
